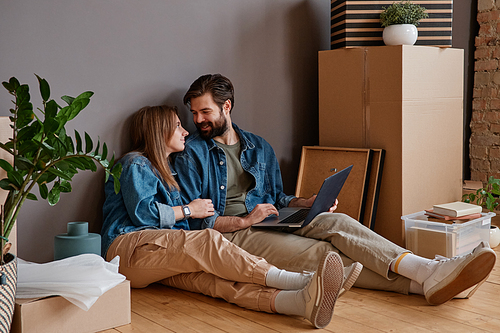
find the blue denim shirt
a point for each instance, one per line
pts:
(202, 173)
(144, 202)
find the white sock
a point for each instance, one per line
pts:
(414, 267)
(290, 302)
(285, 280)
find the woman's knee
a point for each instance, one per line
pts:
(211, 235)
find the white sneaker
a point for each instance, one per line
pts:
(323, 290)
(454, 275)
(351, 274)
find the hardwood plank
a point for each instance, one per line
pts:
(142, 324)
(225, 315)
(168, 316)
(400, 315)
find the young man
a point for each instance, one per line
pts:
(239, 171)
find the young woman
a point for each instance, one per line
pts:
(146, 225)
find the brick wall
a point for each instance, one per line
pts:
(485, 122)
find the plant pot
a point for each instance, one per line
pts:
(400, 34)
(7, 292)
(494, 236)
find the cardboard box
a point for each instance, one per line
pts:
(56, 314)
(426, 238)
(356, 23)
(407, 100)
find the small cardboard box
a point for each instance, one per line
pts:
(357, 23)
(56, 314)
(427, 238)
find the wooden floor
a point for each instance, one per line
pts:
(162, 309)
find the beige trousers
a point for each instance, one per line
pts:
(302, 249)
(201, 261)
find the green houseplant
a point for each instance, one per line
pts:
(400, 20)
(42, 154)
(42, 151)
(487, 197)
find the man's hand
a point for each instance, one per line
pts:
(334, 207)
(259, 213)
(235, 223)
(303, 202)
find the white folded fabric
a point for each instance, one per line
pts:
(80, 279)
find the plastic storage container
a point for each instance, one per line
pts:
(428, 238)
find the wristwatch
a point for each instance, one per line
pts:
(186, 211)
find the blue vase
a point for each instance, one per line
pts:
(77, 241)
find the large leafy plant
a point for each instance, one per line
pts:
(487, 196)
(43, 153)
(403, 12)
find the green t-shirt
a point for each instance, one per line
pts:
(239, 182)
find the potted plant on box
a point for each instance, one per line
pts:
(43, 154)
(487, 197)
(400, 20)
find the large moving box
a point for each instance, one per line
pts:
(407, 100)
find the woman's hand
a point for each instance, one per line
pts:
(201, 208)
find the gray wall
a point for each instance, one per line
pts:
(135, 53)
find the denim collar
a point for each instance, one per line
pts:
(244, 140)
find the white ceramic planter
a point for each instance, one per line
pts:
(494, 236)
(400, 34)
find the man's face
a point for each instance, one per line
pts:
(209, 119)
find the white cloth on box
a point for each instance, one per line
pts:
(80, 279)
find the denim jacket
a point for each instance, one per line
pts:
(144, 202)
(202, 173)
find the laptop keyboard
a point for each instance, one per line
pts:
(297, 217)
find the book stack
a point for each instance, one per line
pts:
(454, 212)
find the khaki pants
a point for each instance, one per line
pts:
(302, 249)
(201, 261)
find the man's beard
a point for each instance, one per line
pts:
(216, 129)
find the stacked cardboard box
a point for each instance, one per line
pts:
(407, 100)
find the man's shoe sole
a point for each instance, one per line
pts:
(351, 278)
(467, 276)
(330, 277)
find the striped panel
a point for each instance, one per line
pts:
(8, 293)
(357, 23)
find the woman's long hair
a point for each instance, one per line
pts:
(151, 128)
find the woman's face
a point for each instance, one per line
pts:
(176, 142)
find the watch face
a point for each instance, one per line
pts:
(187, 211)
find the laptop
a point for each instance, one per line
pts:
(298, 217)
